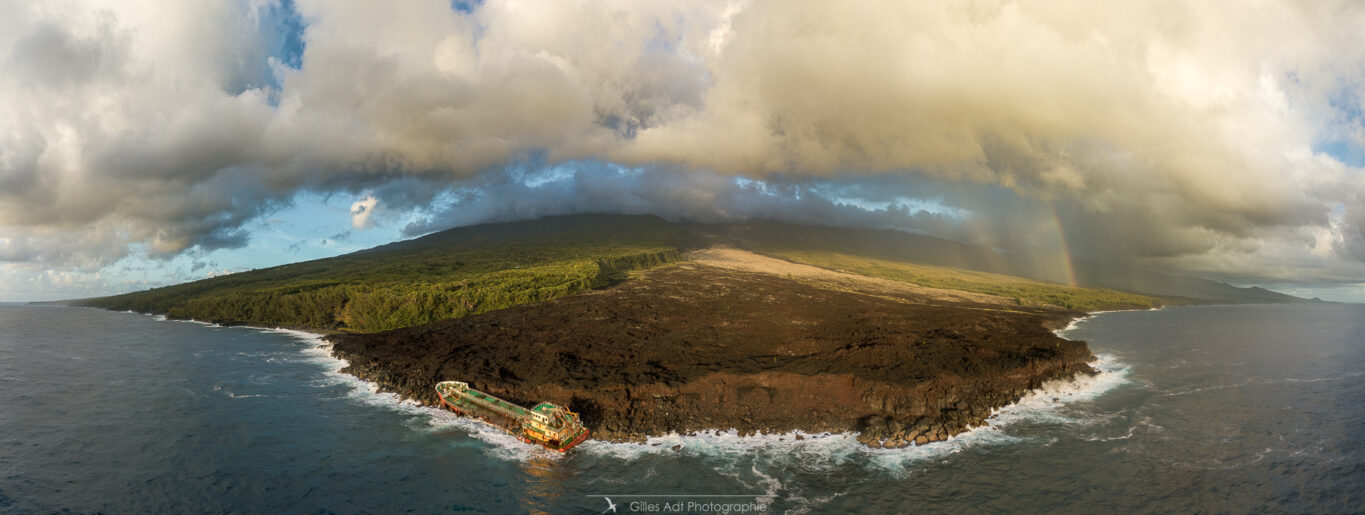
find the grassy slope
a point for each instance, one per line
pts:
(476, 269)
(444, 275)
(892, 245)
(1023, 291)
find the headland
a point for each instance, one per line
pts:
(733, 340)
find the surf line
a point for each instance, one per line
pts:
(676, 495)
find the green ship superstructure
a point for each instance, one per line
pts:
(547, 424)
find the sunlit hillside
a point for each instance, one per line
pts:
(1023, 291)
(444, 275)
(476, 269)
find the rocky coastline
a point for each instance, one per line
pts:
(695, 348)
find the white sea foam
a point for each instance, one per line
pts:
(232, 395)
(770, 484)
(1076, 322)
(1069, 326)
(314, 338)
(1046, 405)
(728, 442)
(164, 318)
(1143, 424)
(804, 505)
(820, 451)
(423, 418)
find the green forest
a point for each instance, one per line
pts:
(445, 275)
(482, 268)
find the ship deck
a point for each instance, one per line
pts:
(480, 404)
(486, 400)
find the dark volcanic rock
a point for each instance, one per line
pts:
(692, 348)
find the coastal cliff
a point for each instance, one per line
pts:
(695, 347)
(647, 326)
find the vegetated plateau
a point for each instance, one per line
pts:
(649, 327)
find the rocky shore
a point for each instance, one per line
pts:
(695, 348)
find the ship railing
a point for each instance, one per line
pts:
(493, 405)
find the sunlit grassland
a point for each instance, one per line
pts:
(483, 268)
(416, 282)
(1023, 291)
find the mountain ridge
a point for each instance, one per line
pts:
(474, 269)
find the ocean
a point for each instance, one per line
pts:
(1213, 408)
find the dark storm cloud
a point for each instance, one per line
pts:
(1175, 134)
(661, 190)
(50, 57)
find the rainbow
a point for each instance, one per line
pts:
(1065, 248)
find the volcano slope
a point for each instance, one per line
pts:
(732, 340)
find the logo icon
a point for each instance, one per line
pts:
(611, 506)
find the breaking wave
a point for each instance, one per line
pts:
(1050, 404)
(815, 451)
(501, 445)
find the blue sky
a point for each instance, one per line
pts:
(145, 143)
(313, 226)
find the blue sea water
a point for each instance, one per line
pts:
(1216, 408)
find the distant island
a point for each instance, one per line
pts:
(647, 327)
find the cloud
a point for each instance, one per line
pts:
(49, 56)
(361, 212)
(1177, 135)
(582, 187)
